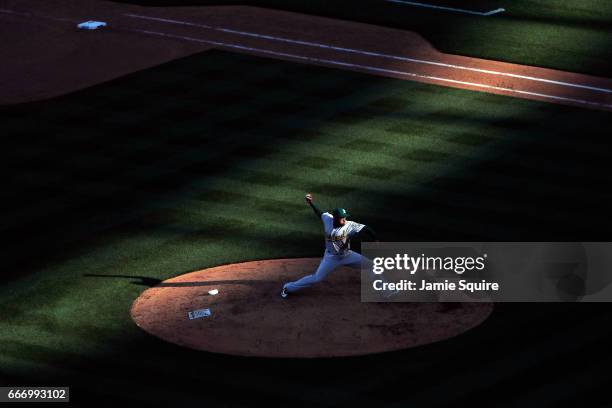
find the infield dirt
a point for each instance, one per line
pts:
(45, 54)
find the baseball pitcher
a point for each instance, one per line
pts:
(338, 234)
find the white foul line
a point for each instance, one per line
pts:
(370, 53)
(14, 12)
(17, 13)
(453, 9)
(369, 68)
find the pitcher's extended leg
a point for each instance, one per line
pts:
(358, 261)
(327, 265)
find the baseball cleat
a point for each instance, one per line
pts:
(284, 293)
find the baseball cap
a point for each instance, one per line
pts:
(340, 213)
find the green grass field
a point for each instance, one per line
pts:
(205, 161)
(568, 35)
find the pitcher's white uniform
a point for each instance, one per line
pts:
(337, 252)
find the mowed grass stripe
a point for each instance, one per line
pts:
(420, 209)
(501, 186)
(140, 177)
(530, 155)
(547, 147)
(422, 196)
(366, 169)
(143, 165)
(329, 197)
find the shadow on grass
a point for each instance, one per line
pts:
(136, 280)
(158, 283)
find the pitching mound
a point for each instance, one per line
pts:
(249, 318)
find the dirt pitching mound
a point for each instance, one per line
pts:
(249, 318)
